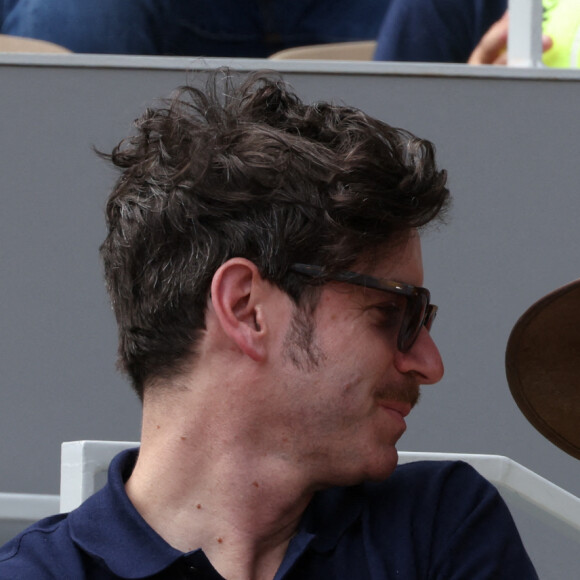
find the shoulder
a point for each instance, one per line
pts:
(439, 473)
(43, 550)
(429, 483)
(446, 513)
(426, 474)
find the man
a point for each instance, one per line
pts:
(264, 264)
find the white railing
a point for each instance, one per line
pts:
(19, 510)
(525, 33)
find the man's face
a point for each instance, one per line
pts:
(347, 385)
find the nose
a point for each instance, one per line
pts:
(422, 359)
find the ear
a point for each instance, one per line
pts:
(236, 294)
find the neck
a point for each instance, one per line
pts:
(200, 485)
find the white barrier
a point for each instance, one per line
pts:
(19, 510)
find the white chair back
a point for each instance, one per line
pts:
(83, 469)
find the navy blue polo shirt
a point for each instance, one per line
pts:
(436, 520)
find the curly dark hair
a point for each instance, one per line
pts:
(244, 168)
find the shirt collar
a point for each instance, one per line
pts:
(108, 526)
(330, 514)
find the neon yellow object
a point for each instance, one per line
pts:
(561, 21)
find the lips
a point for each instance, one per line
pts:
(402, 409)
(396, 413)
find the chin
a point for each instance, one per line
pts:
(381, 470)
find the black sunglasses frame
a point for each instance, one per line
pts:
(418, 313)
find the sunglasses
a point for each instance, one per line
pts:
(418, 311)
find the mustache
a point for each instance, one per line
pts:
(408, 393)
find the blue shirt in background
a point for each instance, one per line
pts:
(435, 30)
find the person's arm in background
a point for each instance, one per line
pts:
(493, 46)
(435, 30)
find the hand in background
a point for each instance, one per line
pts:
(492, 48)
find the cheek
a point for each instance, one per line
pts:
(350, 384)
(349, 392)
(358, 357)
(363, 363)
